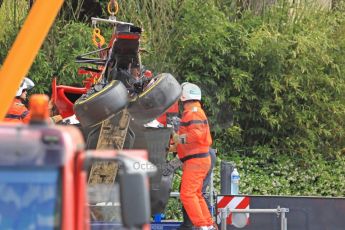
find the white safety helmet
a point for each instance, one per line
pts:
(190, 92)
(26, 84)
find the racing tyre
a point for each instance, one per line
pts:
(162, 93)
(93, 109)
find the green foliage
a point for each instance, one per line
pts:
(57, 57)
(12, 13)
(280, 74)
(174, 206)
(6, 42)
(265, 173)
(198, 50)
(158, 19)
(283, 175)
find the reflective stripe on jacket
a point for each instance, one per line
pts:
(17, 112)
(194, 131)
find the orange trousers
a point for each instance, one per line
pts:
(194, 172)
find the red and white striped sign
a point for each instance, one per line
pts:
(231, 202)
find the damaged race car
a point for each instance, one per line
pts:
(119, 98)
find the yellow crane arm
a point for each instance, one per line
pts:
(25, 49)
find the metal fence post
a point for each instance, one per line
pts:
(283, 220)
(279, 211)
(223, 218)
(211, 195)
(225, 174)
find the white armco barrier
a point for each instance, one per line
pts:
(240, 220)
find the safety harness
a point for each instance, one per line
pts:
(196, 155)
(17, 116)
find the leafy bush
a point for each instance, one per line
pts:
(12, 13)
(158, 19)
(281, 77)
(281, 74)
(65, 41)
(283, 175)
(57, 57)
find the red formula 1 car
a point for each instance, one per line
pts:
(118, 98)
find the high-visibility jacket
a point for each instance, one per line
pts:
(17, 112)
(172, 111)
(194, 132)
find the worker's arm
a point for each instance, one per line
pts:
(56, 119)
(175, 139)
(26, 117)
(173, 148)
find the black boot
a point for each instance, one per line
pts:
(187, 223)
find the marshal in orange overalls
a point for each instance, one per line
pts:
(193, 148)
(17, 112)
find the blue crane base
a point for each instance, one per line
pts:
(165, 225)
(158, 224)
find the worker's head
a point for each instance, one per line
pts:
(24, 86)
(190, 92)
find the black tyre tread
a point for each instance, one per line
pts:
(155, 100)
(101, 105)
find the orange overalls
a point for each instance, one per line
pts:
(17, 112)
(192, 149)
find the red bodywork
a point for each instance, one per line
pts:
(74, 213)
(173, 110)
(59, 92)
(75, 177)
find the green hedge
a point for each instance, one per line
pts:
(278, 175)
(280, 75)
